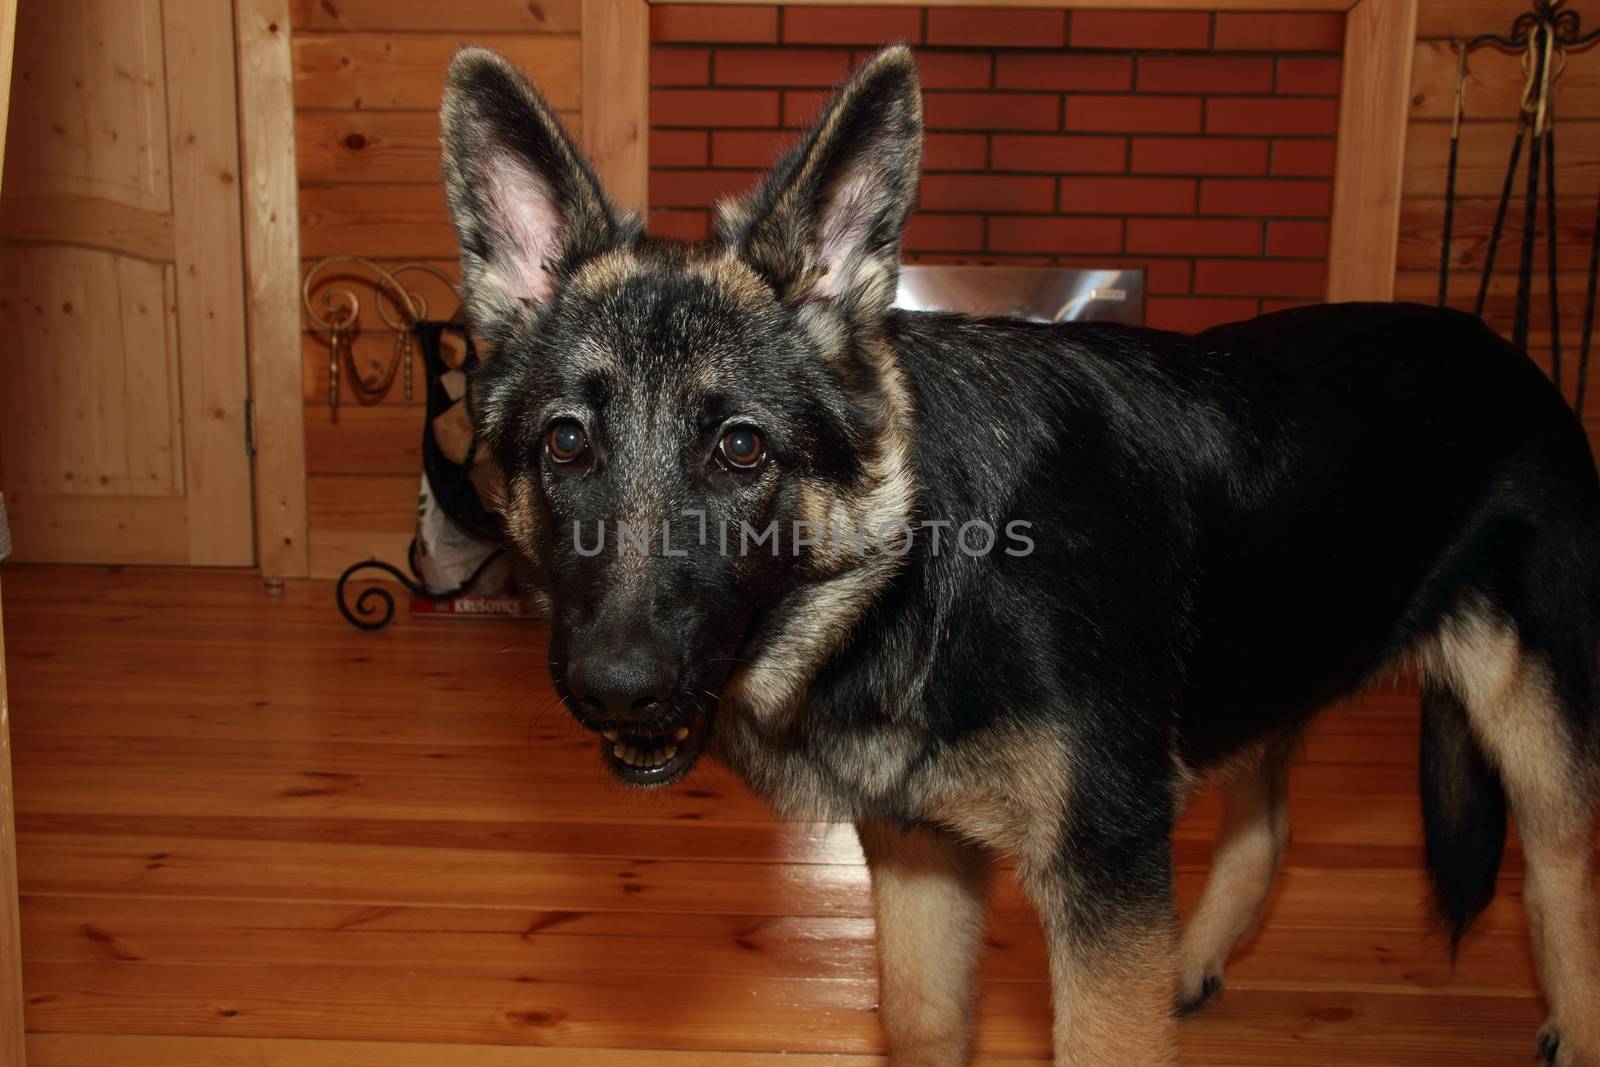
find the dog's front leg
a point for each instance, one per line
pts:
(1113, 961)
(929, 890)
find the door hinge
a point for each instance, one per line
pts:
(249, 427)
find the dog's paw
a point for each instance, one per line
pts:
(1561, 1048)
(1198, 993)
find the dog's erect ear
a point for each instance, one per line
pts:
(527, 207)
(828, 220)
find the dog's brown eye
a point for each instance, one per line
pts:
(743, 447)
(566, 441)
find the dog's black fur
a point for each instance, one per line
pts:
(1229, 532)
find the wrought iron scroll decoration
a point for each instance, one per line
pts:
(373, 608)
(341, 309)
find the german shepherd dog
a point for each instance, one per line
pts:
(1197, 543)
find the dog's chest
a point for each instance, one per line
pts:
(845, 772)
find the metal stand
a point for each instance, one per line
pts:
(1544, 36)
(374, 606)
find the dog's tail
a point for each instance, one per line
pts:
(1463, 812)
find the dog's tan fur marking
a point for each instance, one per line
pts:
(1248, 850)
(606, 271)
(826, 610)
(521, 513)
(732, 277)
(1514, 712)
(1006, 788)
(1112, 1002)
(929, 892)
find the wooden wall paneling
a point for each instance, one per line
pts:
(545, 16)
(1482, 164)
(354, 516)
(616, 91)
(1379, 43)
(11, 1026)
(406, 70)
(377, 221)
(334, 550)
(1422, 225)
(1494, 84)
(1443, 19)
(272, 269)
(382, 439)
(373, 146)
(204, 138)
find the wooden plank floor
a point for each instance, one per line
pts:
(254, 836)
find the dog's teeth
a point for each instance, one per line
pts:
(609, 735)
(619, 751)
(633, 757)
(683, 731)
(667, 753)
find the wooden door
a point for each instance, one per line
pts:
(123, 430)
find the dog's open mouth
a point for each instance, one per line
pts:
(651, 755)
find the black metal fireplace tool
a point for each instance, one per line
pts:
(1545, 35)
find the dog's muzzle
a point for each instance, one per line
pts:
(654, 753)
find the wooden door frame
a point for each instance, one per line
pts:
(12, 1052)
(270, 211)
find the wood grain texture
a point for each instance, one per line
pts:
(11, 1015)
(1494, 83)
(73, 527)
(1482, 164)
(377, 71)
(334, 550)
(319, 847)
(1459, 19)
(12, 1052)
(381, 221)
(90, 221)
(516, 16)
(374, 146)
(1379, 36)
(204, 134)
(272, 262)
(616, 85)
(1102, 5)
(383, 439)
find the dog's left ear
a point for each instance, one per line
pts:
(827, 221)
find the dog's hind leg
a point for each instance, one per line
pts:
(1534, 713)
(930, 891)
(1249, 847)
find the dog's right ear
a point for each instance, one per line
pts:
(527, 207)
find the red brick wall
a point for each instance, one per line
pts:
(1197, 146)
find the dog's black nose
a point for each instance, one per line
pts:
(624, 685)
